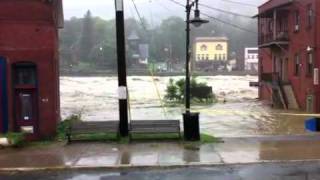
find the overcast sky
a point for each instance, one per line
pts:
(154, 10)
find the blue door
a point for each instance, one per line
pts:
(3, 96)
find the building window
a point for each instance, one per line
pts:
(204, 48)
(202, 57)
(224, 57)
(310, 15)
(219, 47)
(270, 26)
(219, 56)
(297, 21)
(199, 57)
(207, 57)
(25, 74)
(309, 64)
(215, 57)
(297, 65)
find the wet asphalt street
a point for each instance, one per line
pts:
(270, 171)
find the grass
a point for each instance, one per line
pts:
(96, 137)
(112, 137)
(207, 139)
(18, 139)
(160, 136)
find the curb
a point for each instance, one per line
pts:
(152, 167)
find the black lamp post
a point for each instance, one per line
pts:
(191, 120)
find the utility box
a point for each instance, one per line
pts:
(191, 126)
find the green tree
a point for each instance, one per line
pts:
(170, 34)
(87, 37)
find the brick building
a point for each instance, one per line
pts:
(289, 57)
(29, 95)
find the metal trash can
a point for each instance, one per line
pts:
(191, 126)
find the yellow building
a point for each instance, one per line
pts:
(211, 49)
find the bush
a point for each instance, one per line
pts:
(16, 139)
(66, 124)
(172, 91)
(176, 89)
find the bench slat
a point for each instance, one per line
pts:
(93, 127)
(155, 126)
(155, 122)
(79, 128)
(89, 131)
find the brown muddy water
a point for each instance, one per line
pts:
(242, 114)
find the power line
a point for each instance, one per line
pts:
(224, 11)
(164, 7)
(178, 3)
(240, 3)
(230, 24)
(139, 16)
(218, 20)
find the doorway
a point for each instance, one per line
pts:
(4, 122)
(25, 96)
(284, 72)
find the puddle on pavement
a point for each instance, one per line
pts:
(242, 115)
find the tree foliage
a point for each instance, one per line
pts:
(91, 40)
(175, 91)
(86, 42)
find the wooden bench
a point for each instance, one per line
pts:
(81, 128)
(155, 127)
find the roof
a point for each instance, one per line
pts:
(133, 36)
(199, 39)
(272, 4)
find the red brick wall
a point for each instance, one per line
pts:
(28, 33)
(299, 41)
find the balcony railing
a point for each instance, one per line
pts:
(270, 77)
(282, 36)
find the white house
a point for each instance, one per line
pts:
(251, 58)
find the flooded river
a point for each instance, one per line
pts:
(241, 115)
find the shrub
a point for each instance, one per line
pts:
(66, 123)
(172, 91)
(16, 139)
(176, 89)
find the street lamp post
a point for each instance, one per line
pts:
(122, 72)
(191, 120)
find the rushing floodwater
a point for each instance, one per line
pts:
(241, 115)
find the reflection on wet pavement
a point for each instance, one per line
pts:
(267, 171)
(233, 150)
(242, 115)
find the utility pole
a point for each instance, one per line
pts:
(122, 72)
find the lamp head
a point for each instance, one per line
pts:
(197, 21)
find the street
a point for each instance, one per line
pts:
(269, 171)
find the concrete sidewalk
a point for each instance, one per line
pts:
(110, 155)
